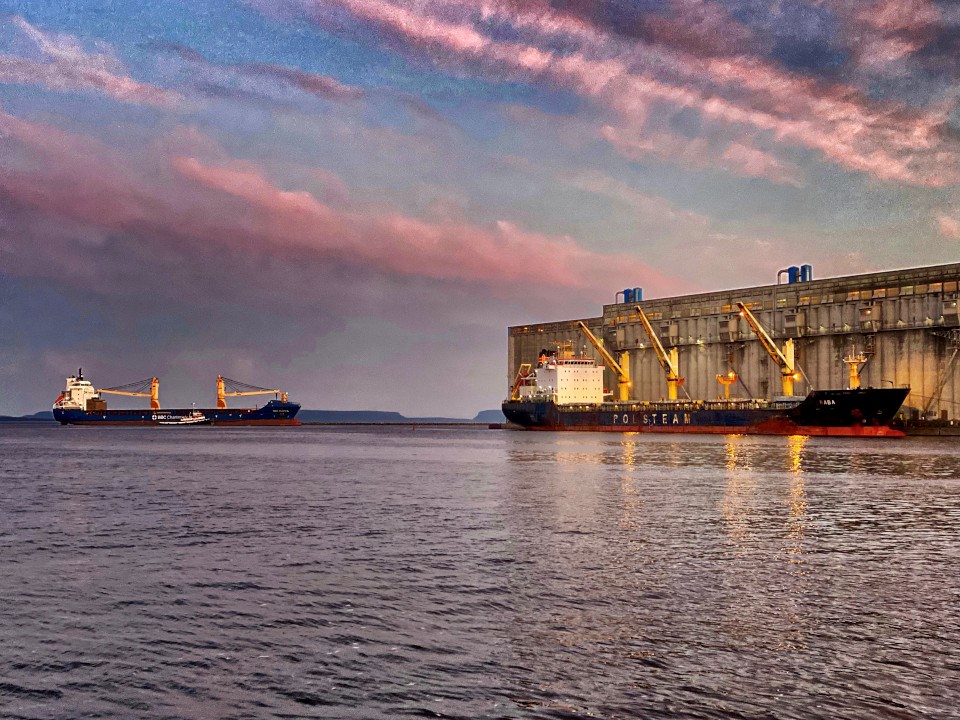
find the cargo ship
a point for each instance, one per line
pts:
(566, 393)
(81, 403)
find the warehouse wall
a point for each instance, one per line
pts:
(906, 321)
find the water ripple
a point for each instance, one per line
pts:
(457, 573)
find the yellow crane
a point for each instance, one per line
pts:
(669, 361)
(239, 389)
(622, 368)
(138, 389)
(522, 374)
(784, 359)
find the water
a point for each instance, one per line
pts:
(450, 572)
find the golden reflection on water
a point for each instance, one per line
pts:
(632, 501)
(793, 551)
(752, 506)
(797, 522)
(738, 492)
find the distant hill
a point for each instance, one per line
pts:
(490, 416)
(328, 416)
(348, 416)
(380, 416)
(45, 416)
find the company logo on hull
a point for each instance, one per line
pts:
(661, 419)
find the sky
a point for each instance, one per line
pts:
(352, 200)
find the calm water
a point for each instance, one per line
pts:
(382, 573)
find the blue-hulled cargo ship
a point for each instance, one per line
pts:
(82, 404)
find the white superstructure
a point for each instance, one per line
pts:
(76, 394)
(569, 381)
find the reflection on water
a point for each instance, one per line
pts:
(796, 522)
(472, 574)
(736, 507)
(632, 500)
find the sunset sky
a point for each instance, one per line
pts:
(352, 199)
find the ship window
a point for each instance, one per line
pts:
(853, 295)
(906, 290)
(880, 292)
(950, 286)
(866, 294)
(936, 287)
(893, 292)
(920, 289)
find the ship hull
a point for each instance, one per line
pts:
(274, 412)
(839, 413)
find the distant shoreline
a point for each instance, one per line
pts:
(468, 423)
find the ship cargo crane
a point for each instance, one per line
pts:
(522, 374)
(669, 361)
(622, 368)
(240, 389)
(784, 359)
(142, 388)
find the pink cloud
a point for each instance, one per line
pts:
(649, 208)
(752, 162)
(885, 33)
(949, 226)
(65, 66)
(235, 207)
(449, 250)
(698, 153)
(262, 78)
(739, 93)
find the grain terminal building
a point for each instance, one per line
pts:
(905, 322)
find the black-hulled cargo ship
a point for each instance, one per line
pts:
(567, 394)
(82, 404)
(865, 412)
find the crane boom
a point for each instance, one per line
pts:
(784, 360)
(670, 362)
(222, 393)
(522, 374)
(134, 390)
(622, 371)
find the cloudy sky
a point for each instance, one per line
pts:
(352, 199)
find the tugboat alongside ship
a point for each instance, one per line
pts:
(81, 403)
(566, 393)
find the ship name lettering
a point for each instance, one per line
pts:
(626, 418)
(676, 419)
(686, 418)
(827, 401)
